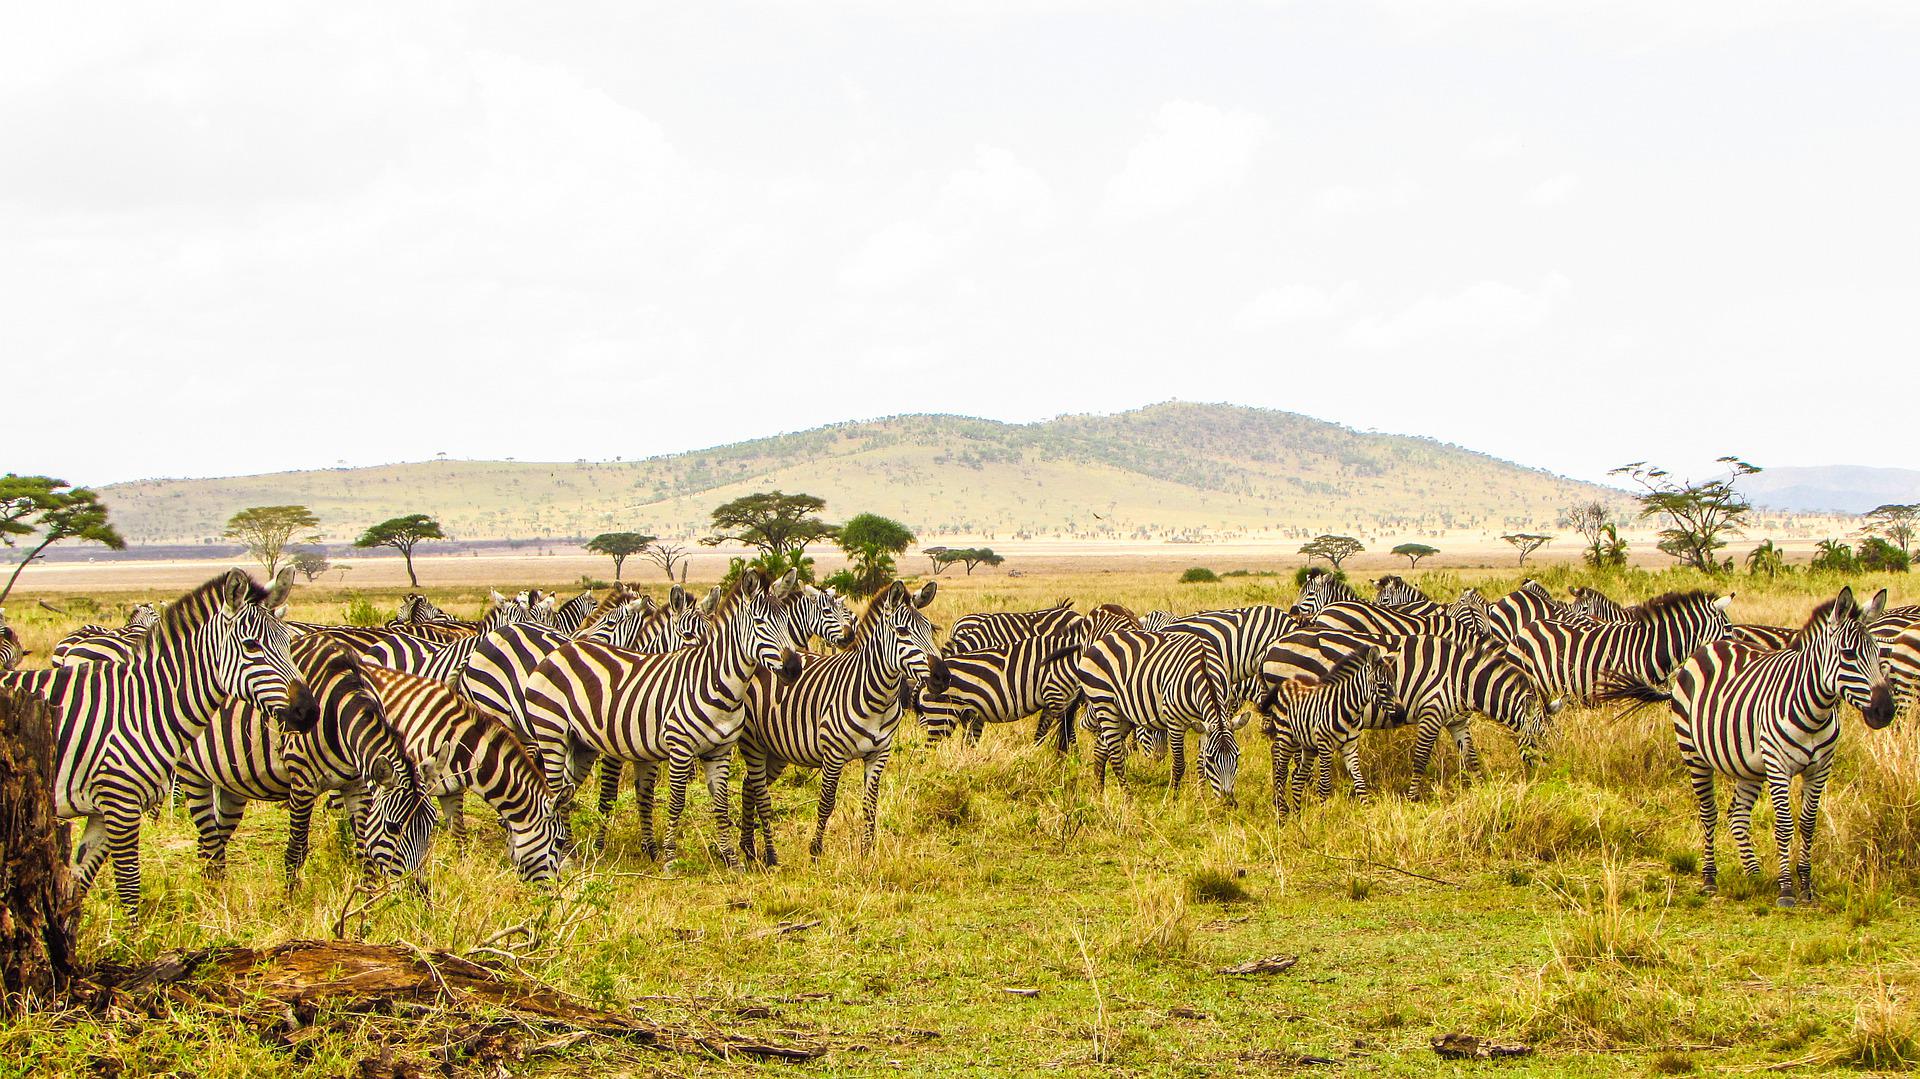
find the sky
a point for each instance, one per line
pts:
(261, 236)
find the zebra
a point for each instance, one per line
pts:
(1155, 621)
(1567, 659)
(571, 615)
(242, 756)
(822, 613)
(92, 644)
(1000, 685)
(1531, 602)
(123, 725)
(1323, 719)
(1766, 638)
(1166, 681)
(1397, 592)
(1900, 646)
(1374, 620)
(1436, 683)
(840, 708)
(1760, 718)
(444, 662)
(472, 751)
(1595, 606)
(1468, 611)
(588, 700)
(417, 609)
(1318, 588)
(996, 629)
(12, 651)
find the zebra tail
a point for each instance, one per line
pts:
(1617, 688)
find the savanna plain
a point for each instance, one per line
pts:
(1016, 919)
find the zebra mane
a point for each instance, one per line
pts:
(1820, 614)
(1664, 602)
(1119, 609)
(1348, 664)
(191, 611)
(737, 594)
(880, 601)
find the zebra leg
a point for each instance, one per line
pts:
(830, 770)
(749, 803)
(763, 807)
(876, 764)
(1780, 792)
(1701, 775)
(1177, 743)
(645, 775)
(610, 770)
(91, 855)
(223, 810)
(679, 775)
(1042, 726)
(1303, 769)
(1323, 772)
(1281, 749)
(1423, 743)
(205, 813)
(1350, 752)
(717, 769)
(1740, 822)
(1812, 787)
(123, 845)
(299, 828)
(1469, 753)
(453, 814)
(976, 723)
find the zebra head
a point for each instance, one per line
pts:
(1596, 605)
(822, 613)
(539, 851)
(905, 635)
(250, 657)
(1220, 752)
(753, 618)
(11, 650)
(1394, 591)
(1469, 610)
(401, 813)
(1509, 696)
(1848, 655)
(142, 616)
(1318, 589)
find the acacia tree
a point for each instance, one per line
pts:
(870, 542)
(665, 555)
(1527, 543)
(1590, 519)
(978, 556)
(401, 534)
(778, 524)
(619, 546)
(1898, 523)
(1335, 549)
(266, 531)
(936, 555)
(1414, 552)
(311, 564)
(1699, 517)
(55, 511)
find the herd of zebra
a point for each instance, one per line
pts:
(221, 697)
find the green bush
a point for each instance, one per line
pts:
(1878, 555)
(1198, 575)
(362, 612)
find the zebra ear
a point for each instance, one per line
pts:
(380, 773)
(1240, 719)
(1726, 601)
(711, 601)
(677, 597)
(235, 591)
(282, 584)
(495, 597)
(433, 768)
(787, 584)
(1876, 607)
(925, 595)
(1555, 705)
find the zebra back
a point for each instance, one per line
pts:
(571, 615)
(1578, 659)
(1368, 618)
(996, 629)
(1240, 634)
(1000, 685)
(1531, 602)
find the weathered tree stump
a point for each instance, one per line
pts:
(36, 941)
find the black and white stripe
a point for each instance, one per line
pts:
(1531, 602)
(1575, 659)
(1322, 719)
(1319, 589)
(997, 629)
(1168, 682)
(1001, 685)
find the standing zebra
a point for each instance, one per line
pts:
(1436, 683)
(1761, 718)
(571, 615)
(1318, 589)
(1531, 602)
(1574, 660)
(1766, 638)
(840, 708)
(1323, 719)
(471, 751)
(996, 629)
(243, 756)
(1468, 611)
(1397, 592)
(1374, 620)
(822, 613)
(1596, 606)
(1001, 685)
(1168, 682)
(444, 661)
(1901, 649)
(90, 644)
(588, 700)
(123, 725)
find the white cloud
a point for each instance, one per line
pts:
(1288, 304)
(1556, 191)
(896, 256)
(1345, 200)
(1194, 151)
(999, 183)
(1482, 313)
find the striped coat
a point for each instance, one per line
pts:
(1320, 721)
(1001, 685)
(1169, 682)
(997, 629)
(1531, 602)
(1574, 660)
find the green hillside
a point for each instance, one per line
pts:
(1159, 472)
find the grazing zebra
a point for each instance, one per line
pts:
(1573, 660)
(588, 700)
(444, 661)
(1760, 718)
(11, 650)
(243, 756)
(1168, 682)
(1321, 720)
(1531, 602)
(123, 725)
(1000, 685)
(1320, 588)
(1377, 621)
(840, 708)
(1436, 683)
(471, 751)
(996, 629)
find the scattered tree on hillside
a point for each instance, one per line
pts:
(1527, 543)
(1699, 517)
(1414, 552)
(665, 555)
(311, 564)
(1335, 549)
(939, 564)
(967, 556)
(776, 523)
(1590, 519)
(266, 531)
(55, 511)
(401, 534)
(619, 546)
(1896, 522)
(870, 542)
(1766, 559)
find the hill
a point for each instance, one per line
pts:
(1832, 488)
(1168, 471)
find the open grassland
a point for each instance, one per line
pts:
(1559, 909)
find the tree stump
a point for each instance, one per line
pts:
(36, 941)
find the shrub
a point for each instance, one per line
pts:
(362, 612)
(1215, 886)
(1878, 555)
(1198, 575)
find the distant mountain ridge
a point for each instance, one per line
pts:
(1173, 470)
(1832, 488)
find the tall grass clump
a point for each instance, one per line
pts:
(1885, 1035)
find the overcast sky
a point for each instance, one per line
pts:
(259, 237)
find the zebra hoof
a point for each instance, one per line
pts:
(1788, 901)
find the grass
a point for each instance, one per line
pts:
(1563, 912)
